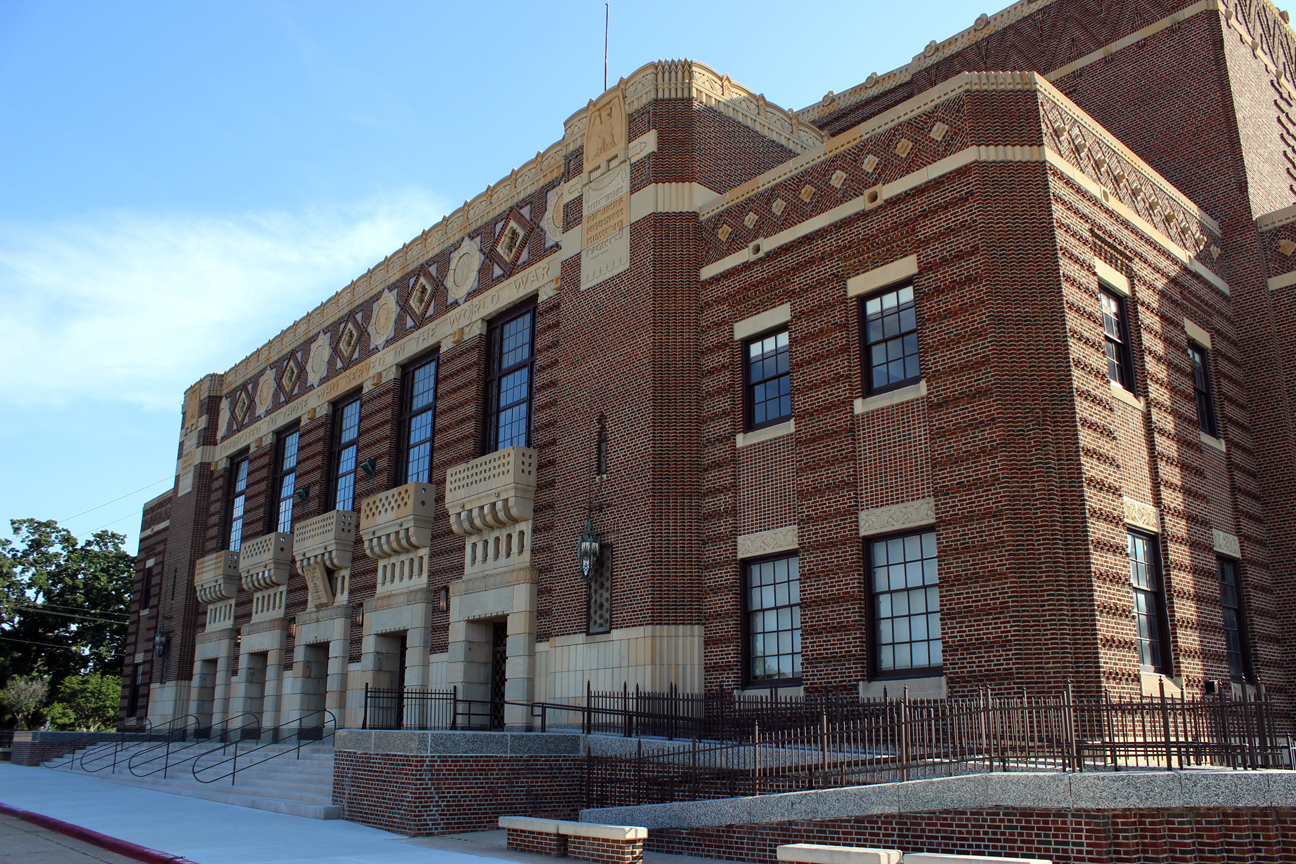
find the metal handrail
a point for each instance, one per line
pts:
(117, 744)
(328, 721)
(183, 726)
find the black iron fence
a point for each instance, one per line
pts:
(897, 739)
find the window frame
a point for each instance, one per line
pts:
(747, 655)
(232, 493)
(337, 446)
(1166, 666)
(865, 347)
(874, 648)
(1243, 631)
(749, 386)
(1124, 350)
(407, 414)
(490, 417)
(281, 474)
(1207, 419)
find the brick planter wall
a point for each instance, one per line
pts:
(605, 851)
(537, 842)
(1063, 836)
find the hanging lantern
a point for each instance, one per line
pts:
(587, 550)
(160, 643)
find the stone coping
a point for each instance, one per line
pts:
(817, 853)
(459, 743)
(573, 829)
(1045, 791)
(941, 858)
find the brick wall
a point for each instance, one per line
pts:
(1062, 836)
(420, 795)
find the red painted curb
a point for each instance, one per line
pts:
(103, 841)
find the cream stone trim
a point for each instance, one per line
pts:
(1112, 277)
(766, 320)
(1212, 441)
(1277, 218)
(1226, 544)
(1286, 280)
(936, 687)
(744, 439)
(896, 517)
(1127, 397)
(1150, 683)
(767, 542)
(1197, 334)
(1142, 515)
(665, 198)
(895, 397)
(149, 532)
(880, 277)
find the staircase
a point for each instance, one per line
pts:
(271, 778)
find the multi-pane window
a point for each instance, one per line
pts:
(889, 328)
(286, 480)
(1116, 338)
(906, 605)
(418, 416)
(1239, 653)
(769, 383)
(346, 439)
(237, 501)
(1150, 623)
(508, 383)
(599, 610)
(773, 620)
(1202, 388)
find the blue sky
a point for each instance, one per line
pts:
(179, 181)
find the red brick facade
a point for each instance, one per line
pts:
(1010, 189)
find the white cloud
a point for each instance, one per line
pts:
(136, 307)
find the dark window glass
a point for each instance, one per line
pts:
(1235, 637)
(1149, 608)
(890, 332)
(773, 601)
(346, 438)
(237, 501)
(508, 384)
(601, 452)
(599, 618)
(769, 384)
(417, 420)
(1116, 336)
(286, 480)
(1202, 388)
(146, 591)
(906, 604)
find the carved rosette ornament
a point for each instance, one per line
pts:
(464, 264)
(553, 218)
(265, 392)
(382, 323)
(317, 364)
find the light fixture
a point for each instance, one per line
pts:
(160, 640)
(369, 466)
(303, 492)
(587, 550)
(357, 614)
(292, 630)
(443, 599)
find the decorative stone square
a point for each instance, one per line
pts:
(778, 206)
(750, 220)
(870, 162)
(938, 131)
(347, 341)
(241, 406)
(291, 373)
(902, 149)
(1286, 246)
(807, 192)
(838, 178)
(724, 232)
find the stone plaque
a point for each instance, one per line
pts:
(605, 235)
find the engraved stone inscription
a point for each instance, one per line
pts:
(606, 231)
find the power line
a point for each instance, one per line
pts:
(69, 615)
(72, 608)
(115, 500)
(42, 644)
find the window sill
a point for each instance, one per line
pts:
(1127, 397)
(784, 691)
(1151, 684)
(743, 439)
(934, 687)
(1211, 441)
(144, 612)
(894, 397)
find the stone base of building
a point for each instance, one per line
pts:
(1061, 836)
(421, 783)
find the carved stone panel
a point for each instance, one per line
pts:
(767, 542)
(1227, 544)
(605, 129)
(382, 323)
(1142, 515)
(464, 264)
(896, 517)
(605, 235)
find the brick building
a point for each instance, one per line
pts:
(977, 373)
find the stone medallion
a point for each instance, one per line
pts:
(464, 264)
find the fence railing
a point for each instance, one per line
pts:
(905, 739)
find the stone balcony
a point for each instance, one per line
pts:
(494, 491)
(216, 577)
(265, 562)
(398, 521)
(321, 545)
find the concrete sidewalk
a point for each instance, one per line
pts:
(212, 833)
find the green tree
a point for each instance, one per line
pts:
(24, 697)
(86, 703)
(63, 602)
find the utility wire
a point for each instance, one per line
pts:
(69, 615)
(70, 608)
(42, 644)
(115, 500)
